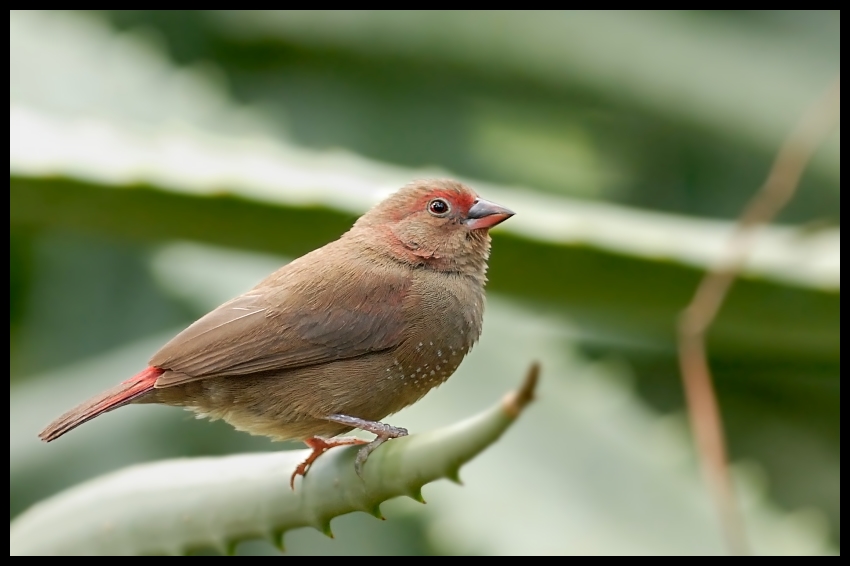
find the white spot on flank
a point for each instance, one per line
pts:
(420, 344)
(430, 343)
(432, 372)
(439, 353)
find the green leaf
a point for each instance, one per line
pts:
(623, 274)
(598, 50)
(175, 506)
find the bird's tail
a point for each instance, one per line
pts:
(118, 396)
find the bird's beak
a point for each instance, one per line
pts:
(485, 214)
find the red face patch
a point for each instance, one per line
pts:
(459, 201)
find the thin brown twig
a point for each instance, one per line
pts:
(778, 189)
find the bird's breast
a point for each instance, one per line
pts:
(444, 324)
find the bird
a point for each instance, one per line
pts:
(337, 339)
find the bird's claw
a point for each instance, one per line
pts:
(363, 454)
(383, 431)
(319, 446)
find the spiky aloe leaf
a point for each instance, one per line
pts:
(175, 506)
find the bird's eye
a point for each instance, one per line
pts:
(438, 207)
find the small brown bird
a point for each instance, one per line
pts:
(337, 339)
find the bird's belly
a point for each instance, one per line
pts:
(291, 404)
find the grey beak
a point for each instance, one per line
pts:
(486, 214)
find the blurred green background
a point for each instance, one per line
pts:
(162, 162)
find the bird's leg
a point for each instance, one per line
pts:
(383, 431)
(320, 446)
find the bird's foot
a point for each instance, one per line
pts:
(383, 431)
(320, 446)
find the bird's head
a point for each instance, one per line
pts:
(436, 223)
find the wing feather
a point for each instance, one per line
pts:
(288, 322)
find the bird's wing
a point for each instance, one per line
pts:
(289, 326)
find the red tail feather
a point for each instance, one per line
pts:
(123, 393)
